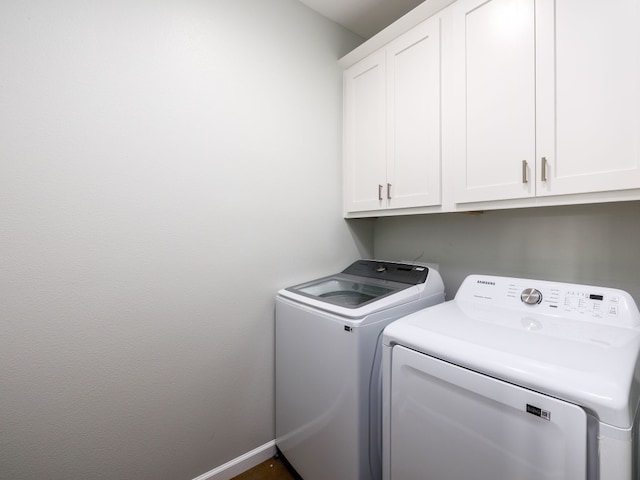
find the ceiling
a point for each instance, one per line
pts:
(363, 17)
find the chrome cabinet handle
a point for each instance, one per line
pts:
(543, 175)
(388, 191)
(524, 172)
(379, 192)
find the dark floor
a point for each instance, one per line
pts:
(272, 469)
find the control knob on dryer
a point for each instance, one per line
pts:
(531, 296)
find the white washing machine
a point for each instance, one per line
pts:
(514, 379)
(328, 355)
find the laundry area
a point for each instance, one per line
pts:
(319, 239)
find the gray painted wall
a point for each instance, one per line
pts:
(165, 167)
(588, 244)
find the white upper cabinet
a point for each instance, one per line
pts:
(588, 118)
(392, 124)
(365, 131)
(485, 104)
(546, 100)
(413, 118)
(494, 99)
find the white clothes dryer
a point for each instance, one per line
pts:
(328, 356)
(514, 379)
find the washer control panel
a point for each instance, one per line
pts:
(573, 301)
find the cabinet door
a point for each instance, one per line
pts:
(494, 99)
(588, 96)
(413, 117)
(365, 164)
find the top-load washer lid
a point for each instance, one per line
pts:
(367, 286)
(345, 291)
(574, 342)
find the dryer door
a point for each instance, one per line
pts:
(450, 423)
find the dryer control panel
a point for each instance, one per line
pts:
(572, 301)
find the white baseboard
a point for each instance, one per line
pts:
(241, 464)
